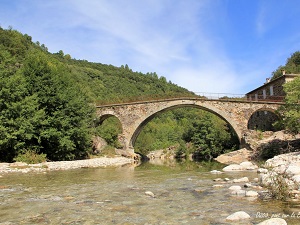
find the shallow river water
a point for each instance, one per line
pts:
(183, 194)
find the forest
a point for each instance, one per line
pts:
(47, 103)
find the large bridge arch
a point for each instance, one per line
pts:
(213, 110)
(134, 116)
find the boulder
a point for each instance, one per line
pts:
(296, 179)
(232, 167)
(251, 194)
(241, 215)
(235, 188)
(240, 167)
(273, 221)
(235, 157)
(293, 170)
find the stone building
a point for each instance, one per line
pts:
(272, 90)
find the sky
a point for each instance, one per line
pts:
(215, 46)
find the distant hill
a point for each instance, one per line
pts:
(102, 83)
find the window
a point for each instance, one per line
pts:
(271, 90)
(264, 94)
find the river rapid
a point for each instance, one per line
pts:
(183, 194)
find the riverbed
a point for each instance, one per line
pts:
(183, 193)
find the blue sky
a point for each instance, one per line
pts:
(218, 46)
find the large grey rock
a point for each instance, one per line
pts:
(235, 188)
(248, 165)
(240, 167)
(273, 221)
(235, 156)
(293, 170)
(241, 215)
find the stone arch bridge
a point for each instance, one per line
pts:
(134, 116)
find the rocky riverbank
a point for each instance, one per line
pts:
(250, 189)
(63, 165)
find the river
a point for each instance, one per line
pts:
(183, 194)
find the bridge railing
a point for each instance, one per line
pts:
(212, 96)
(240, 97)
(196, 95)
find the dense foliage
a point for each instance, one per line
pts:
(292, 66)
(291, 110)
(206, 134)
(46, 100)
(42, 108)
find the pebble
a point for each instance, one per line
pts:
(251, 194)
(235, 188)
(149, 193)
(243, 179)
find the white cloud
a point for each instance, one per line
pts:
(182, 40)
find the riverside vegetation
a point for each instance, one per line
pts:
(47, 106)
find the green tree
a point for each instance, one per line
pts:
(66, 134)
(291, 110)
(109, 131)
(20, 116)
(209, 135)
(292, 66)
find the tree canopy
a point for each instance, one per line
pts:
(292, 66)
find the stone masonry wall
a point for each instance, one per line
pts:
(135, 116)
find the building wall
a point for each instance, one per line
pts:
(272, 90)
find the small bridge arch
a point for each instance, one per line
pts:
(134, 116)
(263, 119)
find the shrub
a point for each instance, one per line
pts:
(30, 157)
(280, 186)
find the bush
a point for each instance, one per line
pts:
(279, 186)
(30, 157)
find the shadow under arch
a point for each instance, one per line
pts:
(263, 120)
(149, 118)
